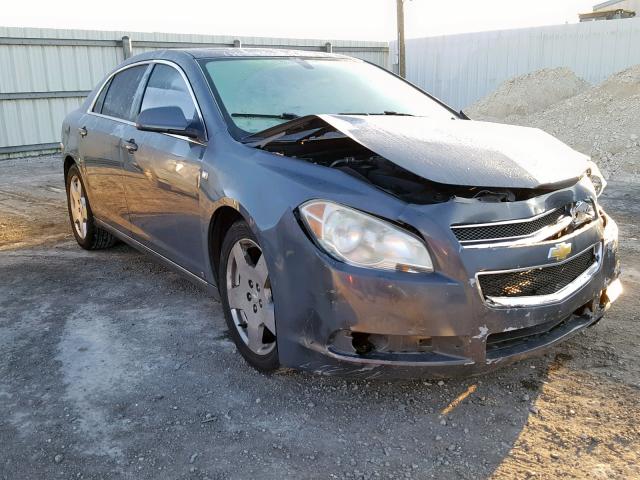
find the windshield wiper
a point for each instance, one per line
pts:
(386, 112)
(282, 116)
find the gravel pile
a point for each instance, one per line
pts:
(528, 94)
(602, 121)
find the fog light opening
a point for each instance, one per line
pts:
(361, 343)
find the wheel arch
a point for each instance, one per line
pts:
(69, 161)
(227, 213)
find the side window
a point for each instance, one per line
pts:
(166, 88)
(97, 107)
(119, 99)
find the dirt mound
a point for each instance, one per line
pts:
(602, 121)
(527, 94)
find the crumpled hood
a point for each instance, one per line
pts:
(463, 152)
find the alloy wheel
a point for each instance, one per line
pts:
(249, 296)
(78, 206)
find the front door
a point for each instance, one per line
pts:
(162, 177)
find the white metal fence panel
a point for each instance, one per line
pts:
(45, 73)
(33, 122)
(461, 69)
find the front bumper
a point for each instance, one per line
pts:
(355, 322)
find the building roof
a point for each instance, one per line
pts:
(607, 14)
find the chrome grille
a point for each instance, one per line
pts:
(536, 281)
(503, 230)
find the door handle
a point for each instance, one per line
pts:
(83, 131)
(131, 145)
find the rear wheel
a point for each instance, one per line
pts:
(87, 234)
(247, 299)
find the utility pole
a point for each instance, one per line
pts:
(401, 58)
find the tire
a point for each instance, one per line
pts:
(247, 300)
(85, 231)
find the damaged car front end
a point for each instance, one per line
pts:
(506, 250)
(421, 243)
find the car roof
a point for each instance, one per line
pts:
(177, 54)
(258, 52)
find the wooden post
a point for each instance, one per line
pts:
(401, 52)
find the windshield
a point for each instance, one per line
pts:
(258, 93)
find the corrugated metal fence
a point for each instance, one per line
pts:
(45, 73)
(461, 69)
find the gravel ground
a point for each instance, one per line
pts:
(114, 367)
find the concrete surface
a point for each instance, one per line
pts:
(112, 366)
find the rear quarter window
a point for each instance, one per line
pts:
(120, 97)
(97, 106)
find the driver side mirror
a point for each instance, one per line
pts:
(168, 120)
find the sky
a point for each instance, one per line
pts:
(324, 19)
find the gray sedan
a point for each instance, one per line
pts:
(349, 222)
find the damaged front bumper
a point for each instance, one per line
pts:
(366, 323)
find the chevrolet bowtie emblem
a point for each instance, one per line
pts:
(560, 251)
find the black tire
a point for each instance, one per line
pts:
(96, 238)
(264, 363)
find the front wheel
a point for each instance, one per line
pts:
(247, 299)
(86, 233)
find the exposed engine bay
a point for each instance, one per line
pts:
(371, 168)
(317, 142)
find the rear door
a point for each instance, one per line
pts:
(162, 176)
(101, 145)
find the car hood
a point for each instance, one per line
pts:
(455, 152)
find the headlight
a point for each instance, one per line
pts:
(364, 240)
(596, 177)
